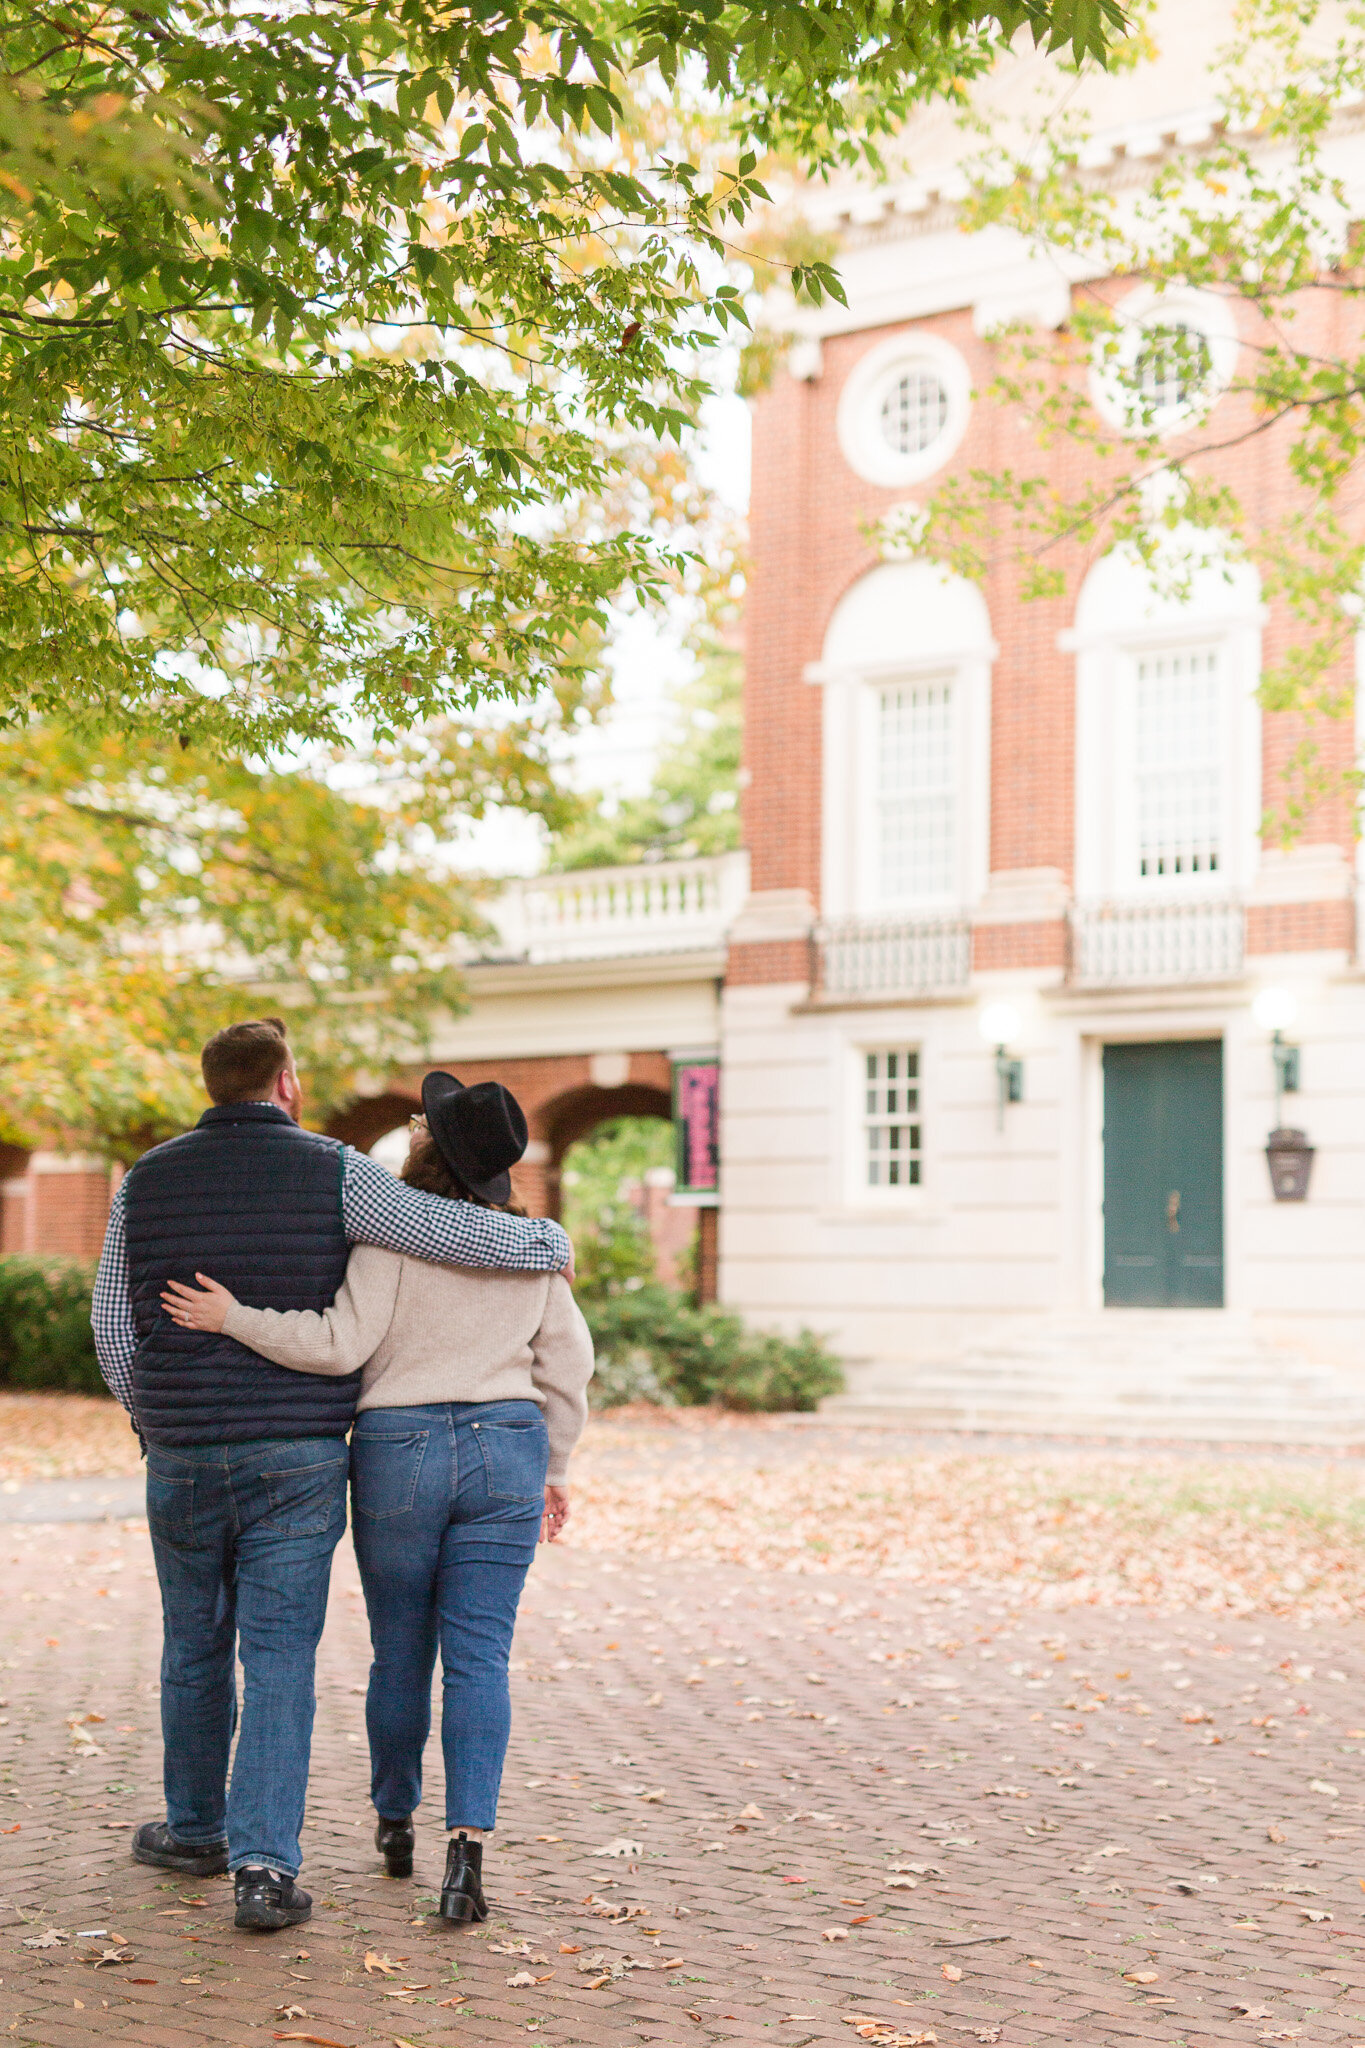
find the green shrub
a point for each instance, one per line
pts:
(45, 1339)
(652, 1343)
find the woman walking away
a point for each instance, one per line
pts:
(474, 1395)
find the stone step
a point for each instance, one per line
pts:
(1190, 1376)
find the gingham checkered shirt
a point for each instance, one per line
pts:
(375, 1209)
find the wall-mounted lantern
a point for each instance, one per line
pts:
(1290, 1158)
(1288, 1152)
(1275, 1010)
(998, 1024)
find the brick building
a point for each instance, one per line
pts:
(1008, 989)
(1004, 848)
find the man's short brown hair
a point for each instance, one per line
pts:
(243, 1063)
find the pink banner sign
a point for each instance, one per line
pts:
(696, 1111)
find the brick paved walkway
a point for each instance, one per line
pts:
(827, 1799)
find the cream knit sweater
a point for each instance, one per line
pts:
(426, 1334)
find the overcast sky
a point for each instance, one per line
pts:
(617, 756)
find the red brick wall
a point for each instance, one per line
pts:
(1020, 945)
(809, 512)
(57, 1208)
(1300, 927)
(774, 960)
(561, 1099)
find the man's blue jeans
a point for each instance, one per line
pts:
(243, 1536)
(447, 1503)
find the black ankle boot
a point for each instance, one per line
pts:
(462, 1891)
(394, 1840)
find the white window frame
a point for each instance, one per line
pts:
(874, 890)
(859, 426)
(1114, 366)
(859, 1192)
(1107, 654)
(1129, 879)
(948, 637)
(853, 882)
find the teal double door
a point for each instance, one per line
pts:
(1163, 1175)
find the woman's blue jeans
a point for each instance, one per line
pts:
(447, 1503)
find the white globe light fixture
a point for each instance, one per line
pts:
(998, 1024)
(1275, 1008)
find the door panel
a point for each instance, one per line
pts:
(1163, 1175)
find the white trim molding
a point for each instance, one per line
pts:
(867, 449)
(903, 622)
(1143, 312)
(1122, 615)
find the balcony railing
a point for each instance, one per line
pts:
(1129, 944)
(892, 956)
(675, 906)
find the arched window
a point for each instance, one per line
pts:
(906, 676)
(1167, 725)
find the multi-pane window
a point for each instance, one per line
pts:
(1172, 368)
(917, 792)
(914, 411)
(1178, 763)
(891, 1123)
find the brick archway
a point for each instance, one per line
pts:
(564, 1095)
(576, 1114)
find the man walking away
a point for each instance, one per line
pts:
(246, 1461)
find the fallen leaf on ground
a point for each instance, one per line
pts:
(1274, 1834)
(379, 1964)
(751, 1812)
(622, 1846)
(1141, 1976)
(318, 2040)
(835, 1934)
(952, 1973)
(53, 1937)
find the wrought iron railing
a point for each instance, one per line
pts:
(1128, 944)
(892, 956)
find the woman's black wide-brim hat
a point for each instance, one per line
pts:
(478, 1131)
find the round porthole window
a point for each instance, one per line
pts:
(914, 411)
(903, 409)
(1172, 355)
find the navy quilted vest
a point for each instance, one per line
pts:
(255, 1202)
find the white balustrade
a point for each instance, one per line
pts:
(1126, 944)
(674, 906)
(893, 956)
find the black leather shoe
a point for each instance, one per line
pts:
(395, 1841)
(268, 1902)
(462, 1890)
(155, 1844)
